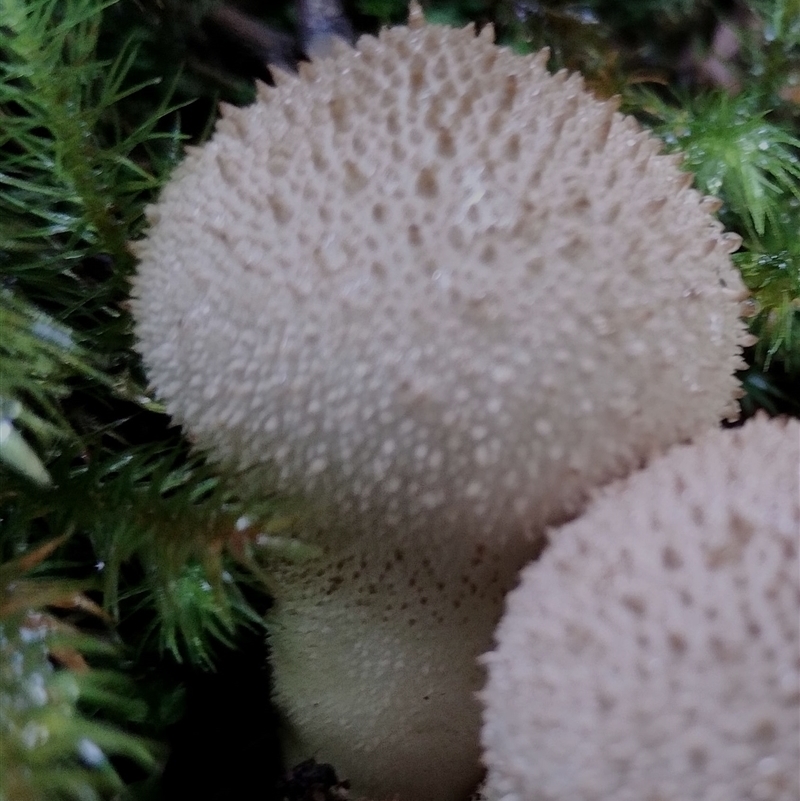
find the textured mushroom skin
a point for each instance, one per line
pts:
(442, 294)
(430, 281)
(377, 669)
(652, 652)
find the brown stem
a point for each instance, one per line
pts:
(270, 45)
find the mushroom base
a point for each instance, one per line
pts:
(376, 673)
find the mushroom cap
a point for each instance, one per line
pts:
(436, 288)
(652, 652)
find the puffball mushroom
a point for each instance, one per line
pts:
(652, 653)
(441, 293)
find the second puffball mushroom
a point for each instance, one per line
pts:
(442, 294)
(654, 650)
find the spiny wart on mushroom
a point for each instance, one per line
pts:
(443, 294)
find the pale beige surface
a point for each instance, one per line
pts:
(435, 283)
(652, 652)
(441, 293)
